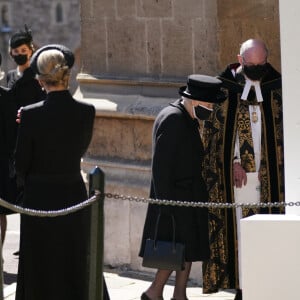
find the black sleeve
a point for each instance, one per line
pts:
(165, 139)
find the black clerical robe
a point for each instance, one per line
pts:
(221, 270)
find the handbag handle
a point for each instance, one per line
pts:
(156, 230)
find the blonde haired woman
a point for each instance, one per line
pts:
(53, 136)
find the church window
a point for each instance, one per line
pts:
(59, 16)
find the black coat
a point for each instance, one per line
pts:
(26, 89)
(177, 175)
(22, 90)
(53, 136)
(8, 188)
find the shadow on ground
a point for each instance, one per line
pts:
(9, 278)
(125, 271)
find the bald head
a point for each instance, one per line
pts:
(253, 52)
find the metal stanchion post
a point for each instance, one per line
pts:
(96, 183)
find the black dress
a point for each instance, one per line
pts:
(176, 175)
(53, 136)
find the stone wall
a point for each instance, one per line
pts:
(172, 38)
(239, 21)
(135, 55)
(154, 39)
(51, 22)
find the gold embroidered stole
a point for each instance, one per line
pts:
(245, 137)
(247, 150)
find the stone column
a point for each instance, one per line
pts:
(290, 78)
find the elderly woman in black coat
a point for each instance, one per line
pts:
(53, 136)
(177, 175)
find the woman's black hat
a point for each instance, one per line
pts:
(20, 38)
(203, 88)
(68, 55)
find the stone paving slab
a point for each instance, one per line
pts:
(130, 285)
(123, 284)
(10, 291)
(126, 288)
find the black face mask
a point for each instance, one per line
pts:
(20, 59)
(202, 113)
(255, 72)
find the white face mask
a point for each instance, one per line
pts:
(202, 112)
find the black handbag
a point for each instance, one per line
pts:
(164, 255)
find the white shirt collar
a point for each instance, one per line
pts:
(247, 88)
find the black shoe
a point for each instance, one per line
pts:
(145, 297)
(238, 295)
(16, 253)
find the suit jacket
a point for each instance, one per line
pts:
(177, 175)
(53, 136)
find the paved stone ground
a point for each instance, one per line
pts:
(129, 285)
(10, 265)
(123, 284)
